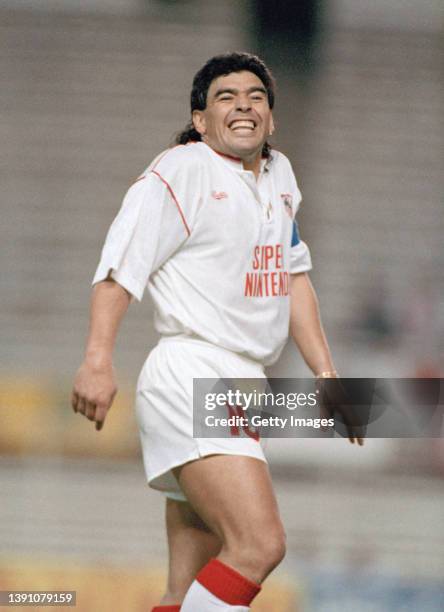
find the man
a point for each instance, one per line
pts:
(209, 228)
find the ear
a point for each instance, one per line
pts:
(199, 122)
(271, 129)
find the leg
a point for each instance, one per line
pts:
(191, 545)
(234, 496)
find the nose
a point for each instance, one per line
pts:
(243, 104)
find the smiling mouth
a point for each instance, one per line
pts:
(242, 124)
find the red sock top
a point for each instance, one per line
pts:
(166, 609)
(227, 584)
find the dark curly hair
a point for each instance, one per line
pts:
(221, 65)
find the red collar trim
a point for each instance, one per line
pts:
(236, 159)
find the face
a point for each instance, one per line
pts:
(237, 120)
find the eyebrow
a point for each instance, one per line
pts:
(229, 90)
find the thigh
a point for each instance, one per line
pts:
(233, 494)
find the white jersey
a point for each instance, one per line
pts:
(214, 246)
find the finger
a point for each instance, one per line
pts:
(357, 433)
(81, 405)
(74, 400)
(355, 437)
(90, 410)
(351, 435)
(101, 412)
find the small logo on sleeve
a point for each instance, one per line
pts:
(287, 200)
(219, 195)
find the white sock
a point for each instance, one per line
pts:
(198, 598)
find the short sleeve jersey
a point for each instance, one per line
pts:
(214, 246)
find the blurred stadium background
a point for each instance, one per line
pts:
(91, 91)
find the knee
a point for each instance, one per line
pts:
(272, 547)
(262, 550)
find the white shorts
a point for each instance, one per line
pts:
(164, 407)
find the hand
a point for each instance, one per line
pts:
(94, 391)
(334, 402)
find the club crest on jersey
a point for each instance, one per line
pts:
(288, 203)
(219, 195)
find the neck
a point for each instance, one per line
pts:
(253, 165)
(250, 162)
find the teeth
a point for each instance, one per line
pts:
(242, 124)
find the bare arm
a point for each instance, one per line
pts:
(95, 386)
(306, 327)
(306, 330)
